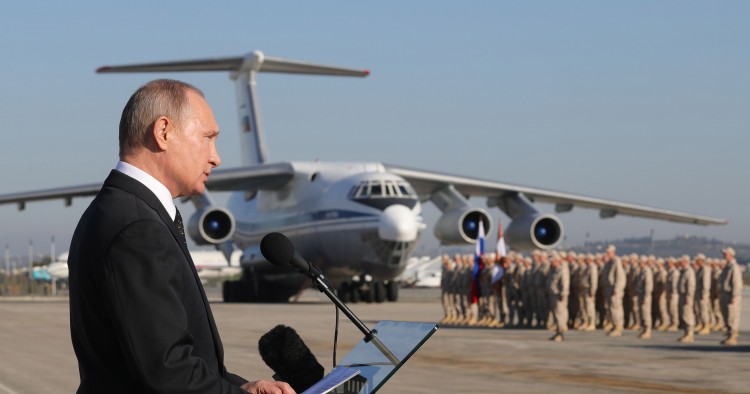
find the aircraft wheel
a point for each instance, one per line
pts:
(238, 291)
(367, 292)
(227, 291)
(378, 291)
(269, 292)
(392, 291)
(343, 292)
(354, 293)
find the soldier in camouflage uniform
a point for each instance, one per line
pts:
(673, 296)
(449, 310)
(540, 287)
(661, 314)
(644, 290)
(558, 286)
(686, 288)
(589, 283)
(527, 291)
(614, 290)
(718, 267)
(730, 285)
(702, 295)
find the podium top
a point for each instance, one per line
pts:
(401, 338)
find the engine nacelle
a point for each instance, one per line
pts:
(534, 231)
(211, 226)
(461, 225)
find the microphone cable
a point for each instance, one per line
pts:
(335, 335)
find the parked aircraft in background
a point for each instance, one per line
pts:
(212, 264)
(209, 264)
(359, 222)
(422, 272)
(58, 269)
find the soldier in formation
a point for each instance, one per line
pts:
(560, 291)
(558, 288)
(730, 288)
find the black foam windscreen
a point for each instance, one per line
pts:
(277, 248)
(286, 354)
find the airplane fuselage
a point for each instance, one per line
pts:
(347, 218)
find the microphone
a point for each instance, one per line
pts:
(286, 354)
(279, 250)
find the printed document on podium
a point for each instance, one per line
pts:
(334, 379)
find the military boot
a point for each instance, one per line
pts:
(687, 338)
(730, 341)
(557, 338)
(616, 332)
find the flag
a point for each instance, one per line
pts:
(500, 240)
(497, 270)
(478, 265)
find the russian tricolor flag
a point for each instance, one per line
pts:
(478, 265)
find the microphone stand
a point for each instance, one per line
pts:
(370, 336)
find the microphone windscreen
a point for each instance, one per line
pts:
(286, 354)
(277, 248)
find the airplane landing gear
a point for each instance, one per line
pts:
(368, 291)
(253, 288)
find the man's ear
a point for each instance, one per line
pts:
(161, 132)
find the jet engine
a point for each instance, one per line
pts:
(461, 225)
(211, 225)
(534, 231)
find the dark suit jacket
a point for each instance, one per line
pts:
(139, 318)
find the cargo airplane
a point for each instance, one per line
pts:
(359, 222)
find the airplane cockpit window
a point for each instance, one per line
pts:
(382, 193)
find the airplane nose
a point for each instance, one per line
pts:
(398, 223)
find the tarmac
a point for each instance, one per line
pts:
(36, 355)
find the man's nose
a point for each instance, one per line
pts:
(215, 159)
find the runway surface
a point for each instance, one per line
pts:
(36, 355)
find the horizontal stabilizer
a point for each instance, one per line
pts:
(254, 61)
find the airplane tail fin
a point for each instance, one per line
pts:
(242, 71)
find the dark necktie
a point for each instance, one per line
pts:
(180, 226)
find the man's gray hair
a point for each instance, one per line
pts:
(161, 97)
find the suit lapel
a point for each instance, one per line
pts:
(121, 181)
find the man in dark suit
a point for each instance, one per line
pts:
(140, 321)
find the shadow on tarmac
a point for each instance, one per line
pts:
(698, 348)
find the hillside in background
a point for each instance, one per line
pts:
(690, 245)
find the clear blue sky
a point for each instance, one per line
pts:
(641, 101)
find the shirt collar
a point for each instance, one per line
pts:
(156, 187)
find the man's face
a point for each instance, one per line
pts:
(192, 152)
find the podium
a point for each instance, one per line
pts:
(365, 369)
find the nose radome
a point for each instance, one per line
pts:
(398, 223)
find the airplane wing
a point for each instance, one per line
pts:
(425, 183)
(65, 193)
(265, 176)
